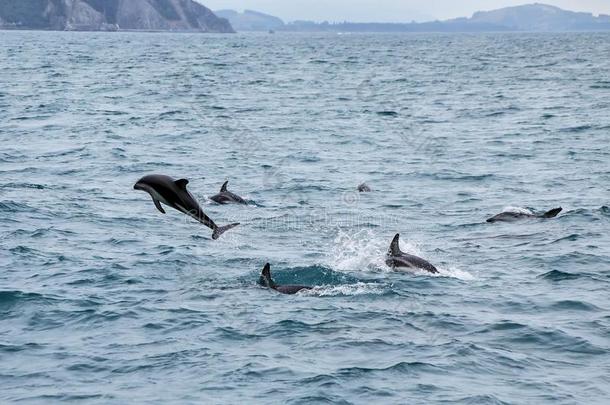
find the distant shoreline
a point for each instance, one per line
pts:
(601, 31)
(118, 31)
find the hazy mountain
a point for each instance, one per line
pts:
(95, 15)
(541, 17)
(251, 20)
(531, 17)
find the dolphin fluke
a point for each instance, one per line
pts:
(552, 213)
(394, 246)
(222, 229)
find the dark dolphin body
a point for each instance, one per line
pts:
(268, 282)
(364, 188)
(515, 216)
(173, 193)
(396, 258)
(227, 197)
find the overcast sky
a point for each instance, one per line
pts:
(389, 10)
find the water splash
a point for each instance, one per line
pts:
(518, 210)
(345, 290)
(454, 272)
(360, 251)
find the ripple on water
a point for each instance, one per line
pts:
(556, 275)
(100, 294)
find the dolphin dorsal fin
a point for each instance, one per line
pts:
(552, 213)
(266, 276)
(267, 271)
(182, 183)
(394, 246)
(223, 189)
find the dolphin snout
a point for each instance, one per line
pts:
(137, 186)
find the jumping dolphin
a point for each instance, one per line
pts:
(396, 258)
(174, 194)
(268, 282)
(364, 188)
(514, 216)
(227, 197)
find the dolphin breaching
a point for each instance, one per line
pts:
(174, 194)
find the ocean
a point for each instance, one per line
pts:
(103, 299)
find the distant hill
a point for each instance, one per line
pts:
(531, 17)
(110, 15)
(541, 17)
(251, 20)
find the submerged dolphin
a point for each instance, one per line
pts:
(364, 188)
(173, 193)
(268, 282)
(514, 216)
(227, 197)
(396, 258)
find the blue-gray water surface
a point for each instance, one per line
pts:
(104, 299)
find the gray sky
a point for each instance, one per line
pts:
(389, 10)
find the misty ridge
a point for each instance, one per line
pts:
(530, 17)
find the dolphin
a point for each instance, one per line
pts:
(173, 193)
(227, 197)
(396, 258)
(364, 188)
(268, 282)
(514, 216)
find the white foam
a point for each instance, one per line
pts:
(519, 210)
(347, 290)
(357, 252)
(450, 272)
(454, 272)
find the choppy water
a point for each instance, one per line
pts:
(104, 299)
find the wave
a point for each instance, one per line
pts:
(554, 340)
(65, 152)
(603, 84)
(573, 305)
(10, 298)
(556, 275)
(387, 113)
(576, 129)
(459, 176)
(24, 185)
(13, 348)
(402, 367)
(11, 207)
(570, 238)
